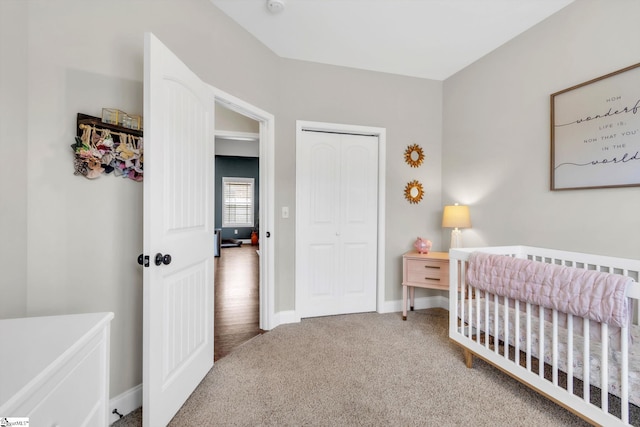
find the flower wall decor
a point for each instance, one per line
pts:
(99, 151)
(414, 156)
(413, 192)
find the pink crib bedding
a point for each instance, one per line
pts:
(586, 293)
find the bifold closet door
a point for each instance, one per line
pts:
(336, 253)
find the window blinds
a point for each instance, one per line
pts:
(238, 202)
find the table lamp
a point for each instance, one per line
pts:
(456, 217)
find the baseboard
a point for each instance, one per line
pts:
(436, 301)
(284, 317)
(125, 403)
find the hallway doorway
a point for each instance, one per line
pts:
(238, 268)
(237, 298)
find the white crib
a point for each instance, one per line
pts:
(515, 335)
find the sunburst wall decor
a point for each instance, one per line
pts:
(414, 156)
(413, 192)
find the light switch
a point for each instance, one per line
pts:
(285, 212)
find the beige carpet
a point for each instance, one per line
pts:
(361, 370)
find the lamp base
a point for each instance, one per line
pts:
(456, 238)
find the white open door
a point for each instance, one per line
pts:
(178, 222)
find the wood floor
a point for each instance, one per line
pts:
(237, 303)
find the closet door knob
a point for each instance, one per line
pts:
(163, 259)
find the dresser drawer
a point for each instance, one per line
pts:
(60, 376)
(75, 396)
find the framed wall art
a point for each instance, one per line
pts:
(595, 132)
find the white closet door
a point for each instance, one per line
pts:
(336, 236)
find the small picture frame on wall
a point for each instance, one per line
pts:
(595, 133)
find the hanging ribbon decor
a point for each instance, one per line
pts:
(99, 151)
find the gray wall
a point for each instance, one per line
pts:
(69, 245)
(496, 135)
(409, 108)
(229, 120)
(233, 166)
(13, 152)
(72, 243)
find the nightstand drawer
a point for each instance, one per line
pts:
(423, 271)
(426, 272)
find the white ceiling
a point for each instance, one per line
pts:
(431, 39)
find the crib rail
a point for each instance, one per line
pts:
(550, 351)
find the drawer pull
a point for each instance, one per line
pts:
(431, 278)
(431, 266)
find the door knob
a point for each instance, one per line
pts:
(143, 260)
(163, 259)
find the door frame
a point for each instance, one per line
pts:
(381, 133)
(266, 196)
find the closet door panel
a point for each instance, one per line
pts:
(337, 177)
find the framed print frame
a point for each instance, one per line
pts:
(595, 133)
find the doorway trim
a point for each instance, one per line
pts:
(266, 123)
(381, 133)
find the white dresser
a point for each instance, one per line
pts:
(55, 369)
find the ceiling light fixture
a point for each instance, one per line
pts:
(275, 6)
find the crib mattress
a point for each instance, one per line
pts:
(614, 355)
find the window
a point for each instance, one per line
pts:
(237, 207)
